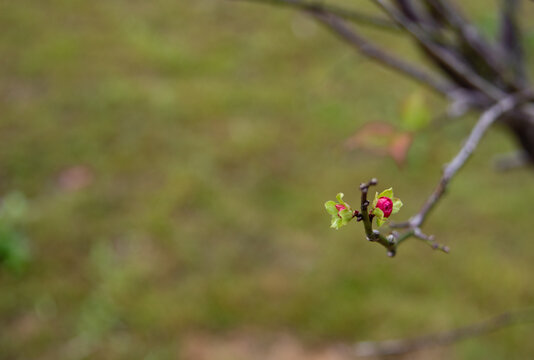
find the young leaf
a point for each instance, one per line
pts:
(378, 213)
(380, 222)
(387, 193)
(346, 216)
(336, 223)
(379, 216)
(397, 204)
(376, 199)
(330, 207)
(339, 198)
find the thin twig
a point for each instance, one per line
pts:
(404, 346)
(342, 12)
(510, 39)
(445, 55)
(471, 37)
(335, 22)
(338, 26)
(483, 124)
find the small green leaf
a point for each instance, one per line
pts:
(339, 198)
(378, 213)
(414, 112)
(376, 199)
(336, 223)
(397, 204)
(380, 222)
(387, 193)
(339, 217)
(346, 215)
(379, 216)
(330, 207)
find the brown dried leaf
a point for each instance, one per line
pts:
(373, 137)
(382, 139)
(399, 147)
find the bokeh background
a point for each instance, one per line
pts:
(164, 165)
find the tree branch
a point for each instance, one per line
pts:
(510, 39)
(471, 37)
(347, 14)
(484, 123)
(333, 20)
(443, 54)
(404, 346)
(338, 26)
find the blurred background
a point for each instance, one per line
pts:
(163, 170)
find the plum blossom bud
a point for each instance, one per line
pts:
(386, 205)
(340, 207)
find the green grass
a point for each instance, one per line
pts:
(214, 135)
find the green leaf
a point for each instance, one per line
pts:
(336, 223)
(387, 193)
(339, 198)
(330, 207)
(376, 199)
(339, 217)
(346, 216)
(379, 214)
(397, 204)
(415, 114)
(380, 222)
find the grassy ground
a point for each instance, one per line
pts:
(176, 157)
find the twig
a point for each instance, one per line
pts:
(347, 14)
(510, 39)
(469, 34)
(443, 54)
(418, 234)
(403, 346)
(483, 124)
(374, 235)
(334, 21)
(429, 240)
(339, 27)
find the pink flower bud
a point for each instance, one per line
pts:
(340, 207)
(386, 205)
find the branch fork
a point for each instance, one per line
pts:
(392, 241)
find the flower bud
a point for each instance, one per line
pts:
(340, 207)
(386, 205)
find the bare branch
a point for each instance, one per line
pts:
(333, 20)
(347, 14)
(443, 54)
(404, 346)
(510, 38)
(339, 27)
(484, 123)
(470, 36)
